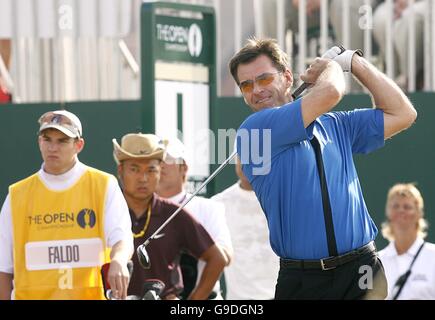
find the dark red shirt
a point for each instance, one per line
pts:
(183, 233)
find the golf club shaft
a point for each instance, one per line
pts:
(182, 205)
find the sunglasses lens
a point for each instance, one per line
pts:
(265, 79)
(51, 117)
(247, 86)
(262, 81)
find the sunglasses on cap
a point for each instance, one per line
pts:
(262, 80)
(62, 122)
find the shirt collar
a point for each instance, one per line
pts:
(70, 174)
(390, 250)
(179, 198)
(415, 246)
(154, 201)
(248, 194)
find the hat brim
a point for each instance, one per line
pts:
(120, 154)
(60, 128)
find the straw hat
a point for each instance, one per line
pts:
(139, 146)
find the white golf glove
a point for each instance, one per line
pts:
(342, 57)
(345, 59)
(332, 53)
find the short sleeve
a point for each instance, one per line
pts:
(365, 128)
(6, 238)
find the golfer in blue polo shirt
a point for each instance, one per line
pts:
(297, 156)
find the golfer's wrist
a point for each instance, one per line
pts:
(345, 60)
(359, 66)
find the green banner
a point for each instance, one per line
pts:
(184, 39)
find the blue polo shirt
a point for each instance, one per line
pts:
(279, 162)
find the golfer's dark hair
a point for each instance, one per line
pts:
(255, 48)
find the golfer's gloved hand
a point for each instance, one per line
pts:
(345, 59)
(332, 53)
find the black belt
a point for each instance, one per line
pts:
(330, 262)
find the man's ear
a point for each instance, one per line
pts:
(119, 170)
(80, 144)
(289, 78)
(39, 141)
(184, 168)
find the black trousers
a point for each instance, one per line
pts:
(362, 278)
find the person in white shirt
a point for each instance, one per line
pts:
(405, 228)
(60, 225)
(253, 272)
(210, 214)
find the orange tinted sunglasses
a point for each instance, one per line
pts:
(262, 80)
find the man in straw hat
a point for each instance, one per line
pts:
(139, 157)
(58, 226)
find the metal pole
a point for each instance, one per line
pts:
(389, 54)
(280, 22)
(433, 44)
(368, 31)
(6, 76)
(427, 44)
(411, 48)
(323, 25)
(217, 8)
(302, 20)
(346, 35)
(346, 23)
(258, 17)
(237, 33)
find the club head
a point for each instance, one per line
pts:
(155, 285)
(143, 257)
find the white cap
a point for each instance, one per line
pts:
(61, 120)
(175, 149)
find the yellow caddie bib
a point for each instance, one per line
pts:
(59, 243)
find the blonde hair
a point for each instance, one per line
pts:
(408, 190)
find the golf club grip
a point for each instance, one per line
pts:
(299, 90)
(305, 85)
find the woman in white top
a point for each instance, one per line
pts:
(405, 228)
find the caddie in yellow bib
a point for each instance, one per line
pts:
(61, 224)
(59, 238)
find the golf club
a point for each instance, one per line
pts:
(141, 252)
